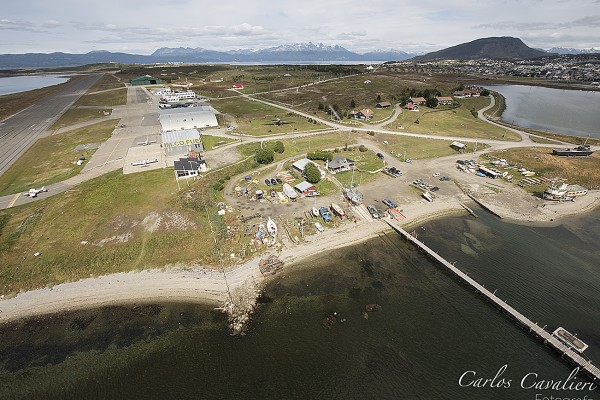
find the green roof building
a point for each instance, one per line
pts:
(145, 80)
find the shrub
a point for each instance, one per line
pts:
(362, 148)
(312, 173)
(264, 156)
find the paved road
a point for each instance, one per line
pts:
(19, 132)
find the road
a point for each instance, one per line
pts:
(20, 131)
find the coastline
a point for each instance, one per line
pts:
(203, 285)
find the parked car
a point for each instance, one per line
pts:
(435, 189)
(390, 203)
(380, 156)
(444, 178)
(267, 182)
(273, 182)
(319, 227)
(279, 180)
(436, 174)
(373, 212)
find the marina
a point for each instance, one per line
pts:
(571, 351)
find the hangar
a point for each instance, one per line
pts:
(180, 142)
(173, 119)
(145, 80)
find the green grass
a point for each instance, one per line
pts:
(256, 119)
(108, 81)
(209, 142)
(419, 148)
(107, 99)
(77, 115)
(453, 122)
(51, 159)
(302, 145)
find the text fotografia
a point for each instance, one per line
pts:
(529, 381)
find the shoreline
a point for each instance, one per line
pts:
(203, 285)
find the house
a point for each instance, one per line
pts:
(300, 165)
(306, 188)
(365, 114)
(417, 100)
(383, 104)
(188, 167)
(411, 107)
(444, 100)
(461, 147)
(238, 86)
(339, 164)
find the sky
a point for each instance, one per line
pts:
(419, 26)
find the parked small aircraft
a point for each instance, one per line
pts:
(278, 122)
(143, 163)
(146, 142)
(34, 192)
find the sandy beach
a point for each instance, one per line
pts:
(198, 284)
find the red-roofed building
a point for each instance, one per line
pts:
(383, 104)
(417, 100)
(411, 107)
(238, 86)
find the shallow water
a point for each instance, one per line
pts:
(17, 84)
(430, 331)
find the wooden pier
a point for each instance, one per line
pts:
(575, 358)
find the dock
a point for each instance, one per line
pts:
(463, 205)
(566, 352)
(483, 205)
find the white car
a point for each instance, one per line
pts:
(435, 175)
(319, 227)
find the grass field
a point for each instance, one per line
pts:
(51, 159)
(107, 99)
(116, 223)
(256, 119)
(302, 145)
(582, 171)
(453, 122)
(209, 142)
(77, 115)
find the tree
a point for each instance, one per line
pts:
(321, 106)
(278, 147)
(484, 92)
(431, 102)
(352, 104)
(312, 173)
(264, 156)
(378, 98)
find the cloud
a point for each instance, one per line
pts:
(23, 26)
(51, 24)
(591, 21)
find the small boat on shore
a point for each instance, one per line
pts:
(289, 191)
(271, 227)
(354, 196)
(315, 211)
(580, 151)
(337, 210)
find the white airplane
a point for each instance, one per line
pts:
(146, 142)
(34, 192)
(143, 163)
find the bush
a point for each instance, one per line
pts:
(278, 147)
(264, 156)
(312, 173)
(218, 186)
(320, 155)
(362, 148)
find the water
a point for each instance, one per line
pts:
(430, 331)
(17, 84)
(570, 112)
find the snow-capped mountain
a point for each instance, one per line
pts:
(566, 50)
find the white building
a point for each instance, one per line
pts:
(173, 119)
(177, 143)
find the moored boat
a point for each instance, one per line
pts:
(563, 192)
(315, 211)
(354, 196)
(289, 191)
(569, 339)
(580, 151)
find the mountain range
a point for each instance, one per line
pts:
(298, 52)
(491, 48)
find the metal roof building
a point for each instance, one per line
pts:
(145, 80)
(173, 119)
(180, 142)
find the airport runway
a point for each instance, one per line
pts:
(19, 132)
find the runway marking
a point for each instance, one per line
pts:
(14, 200)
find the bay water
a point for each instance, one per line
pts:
(17, 84)
(431, 329)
